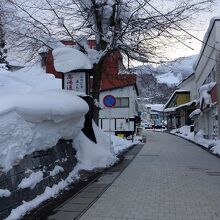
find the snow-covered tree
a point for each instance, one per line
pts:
(140, 29)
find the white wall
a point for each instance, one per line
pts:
(120, 114)
(207, 60)
(130, 112)
(206, 121)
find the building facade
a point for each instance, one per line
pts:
(206, 75)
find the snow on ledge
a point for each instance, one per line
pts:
(204, 95)
(195, 112)
(4, 193)
(211, 144)
(36, 121)
(31, 181)
(68, 59)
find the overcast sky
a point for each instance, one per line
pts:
(202, 23)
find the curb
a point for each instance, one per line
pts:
(198, 145)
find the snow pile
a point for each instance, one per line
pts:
(195, 112)
(35, 113)
(4, 193)
(120, 144)
(49, 192)
(91, 155)
(57, 169)
(213, 145)
(36, 121)
(31, 181)
(33, 118)
(27, 79)
(184, 132)
(204, 95)
(67, 59)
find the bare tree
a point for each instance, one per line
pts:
(140, 29)
(3, 50)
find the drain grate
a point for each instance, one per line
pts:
(149, 155)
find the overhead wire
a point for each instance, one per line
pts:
(205, 43)
(182, 29)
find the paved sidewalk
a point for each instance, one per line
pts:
(170, 179)
(80, 202)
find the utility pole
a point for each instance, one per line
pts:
(218, 83)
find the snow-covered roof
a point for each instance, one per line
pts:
(188, 104)
(155, 107)
(174, 93)
(205, 40)
(68, 59)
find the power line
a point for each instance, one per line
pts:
(182, 30)
(205, 43)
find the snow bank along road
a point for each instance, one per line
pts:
(170, 178)
(74, 207)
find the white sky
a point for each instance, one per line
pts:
(199, 30)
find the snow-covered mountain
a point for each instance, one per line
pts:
(156, 84)
(172, 72)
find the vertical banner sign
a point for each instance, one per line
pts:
(75, 81)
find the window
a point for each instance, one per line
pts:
(122, 102)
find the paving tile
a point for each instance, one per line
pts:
(88, 194)
(168, 180)
(72, 207)
(61, 215)
(80, 200)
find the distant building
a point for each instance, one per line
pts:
(153, 116)
(178, 108)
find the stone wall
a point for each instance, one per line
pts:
(63, 154)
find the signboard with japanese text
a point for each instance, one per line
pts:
(75, 81)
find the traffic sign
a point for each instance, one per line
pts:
(109, 101)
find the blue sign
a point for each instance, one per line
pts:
(109, 101)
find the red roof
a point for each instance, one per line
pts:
(110, 77)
